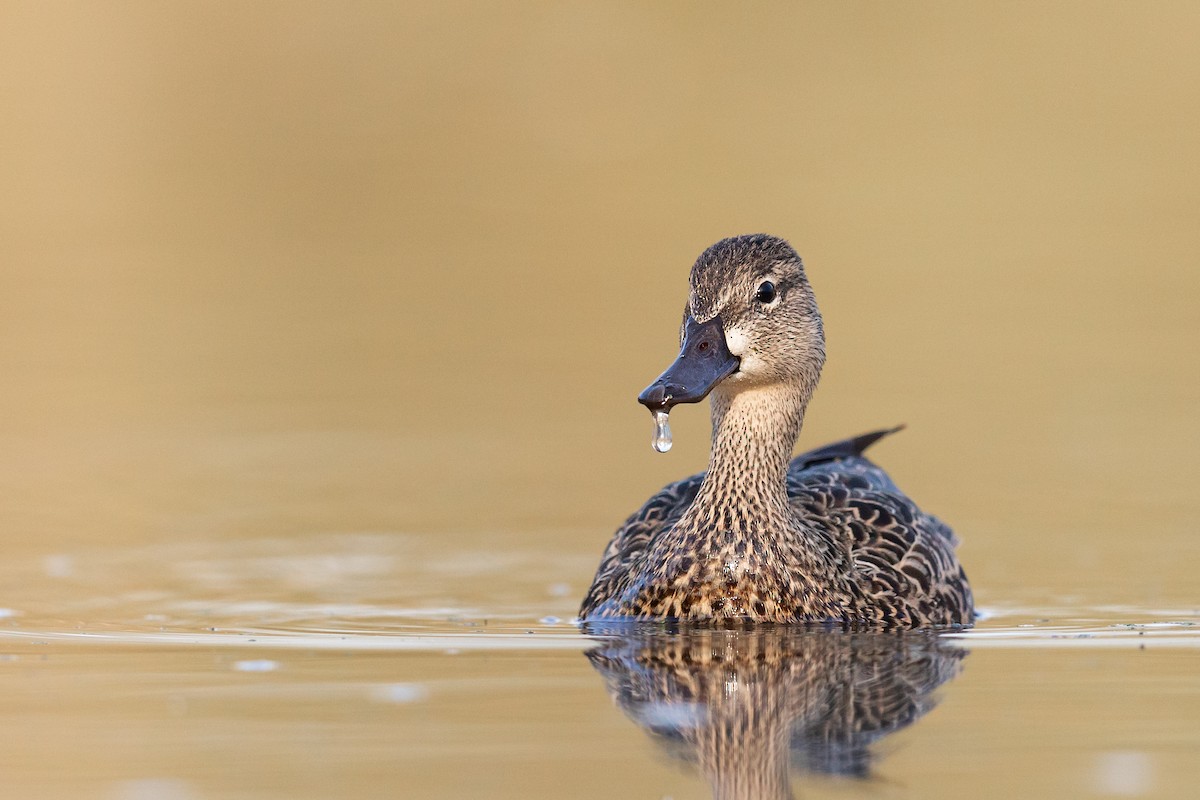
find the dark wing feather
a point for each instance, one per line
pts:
(904, 556)
(847, 448)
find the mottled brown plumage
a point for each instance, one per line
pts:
(761, 537)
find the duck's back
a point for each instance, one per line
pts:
(905, 557)
(907, 572)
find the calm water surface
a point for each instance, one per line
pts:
(321, 327)
(244, 670)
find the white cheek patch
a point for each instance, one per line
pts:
(737, 341)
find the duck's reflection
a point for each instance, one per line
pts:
(749, 707)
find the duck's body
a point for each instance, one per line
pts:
(759, 537)
(854, 551)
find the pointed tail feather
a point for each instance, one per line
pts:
(847, 448)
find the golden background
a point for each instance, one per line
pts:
(417, 260)
(282, 271)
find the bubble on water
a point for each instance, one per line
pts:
(154, 789)
(662, 432)
(1125, 773)
(58, 566)
(400, 693)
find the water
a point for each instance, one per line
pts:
(661, 441)
(254, 669)
(286, 292)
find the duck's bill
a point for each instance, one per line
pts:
(704, 361)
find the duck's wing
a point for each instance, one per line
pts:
(904, 557)
(629, 544)
(843, 458)
(845, 449)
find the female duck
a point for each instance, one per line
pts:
(824, 537)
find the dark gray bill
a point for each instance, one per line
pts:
(704, 361)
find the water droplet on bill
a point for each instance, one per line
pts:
(662, 432)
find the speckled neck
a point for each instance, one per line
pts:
(754, 432)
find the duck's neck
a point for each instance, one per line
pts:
(754, 431)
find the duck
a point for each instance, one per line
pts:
(824, 538)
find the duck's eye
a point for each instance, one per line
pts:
(765, 293)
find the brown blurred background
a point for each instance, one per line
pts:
(271, 269)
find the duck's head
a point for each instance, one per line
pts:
(751, 320)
